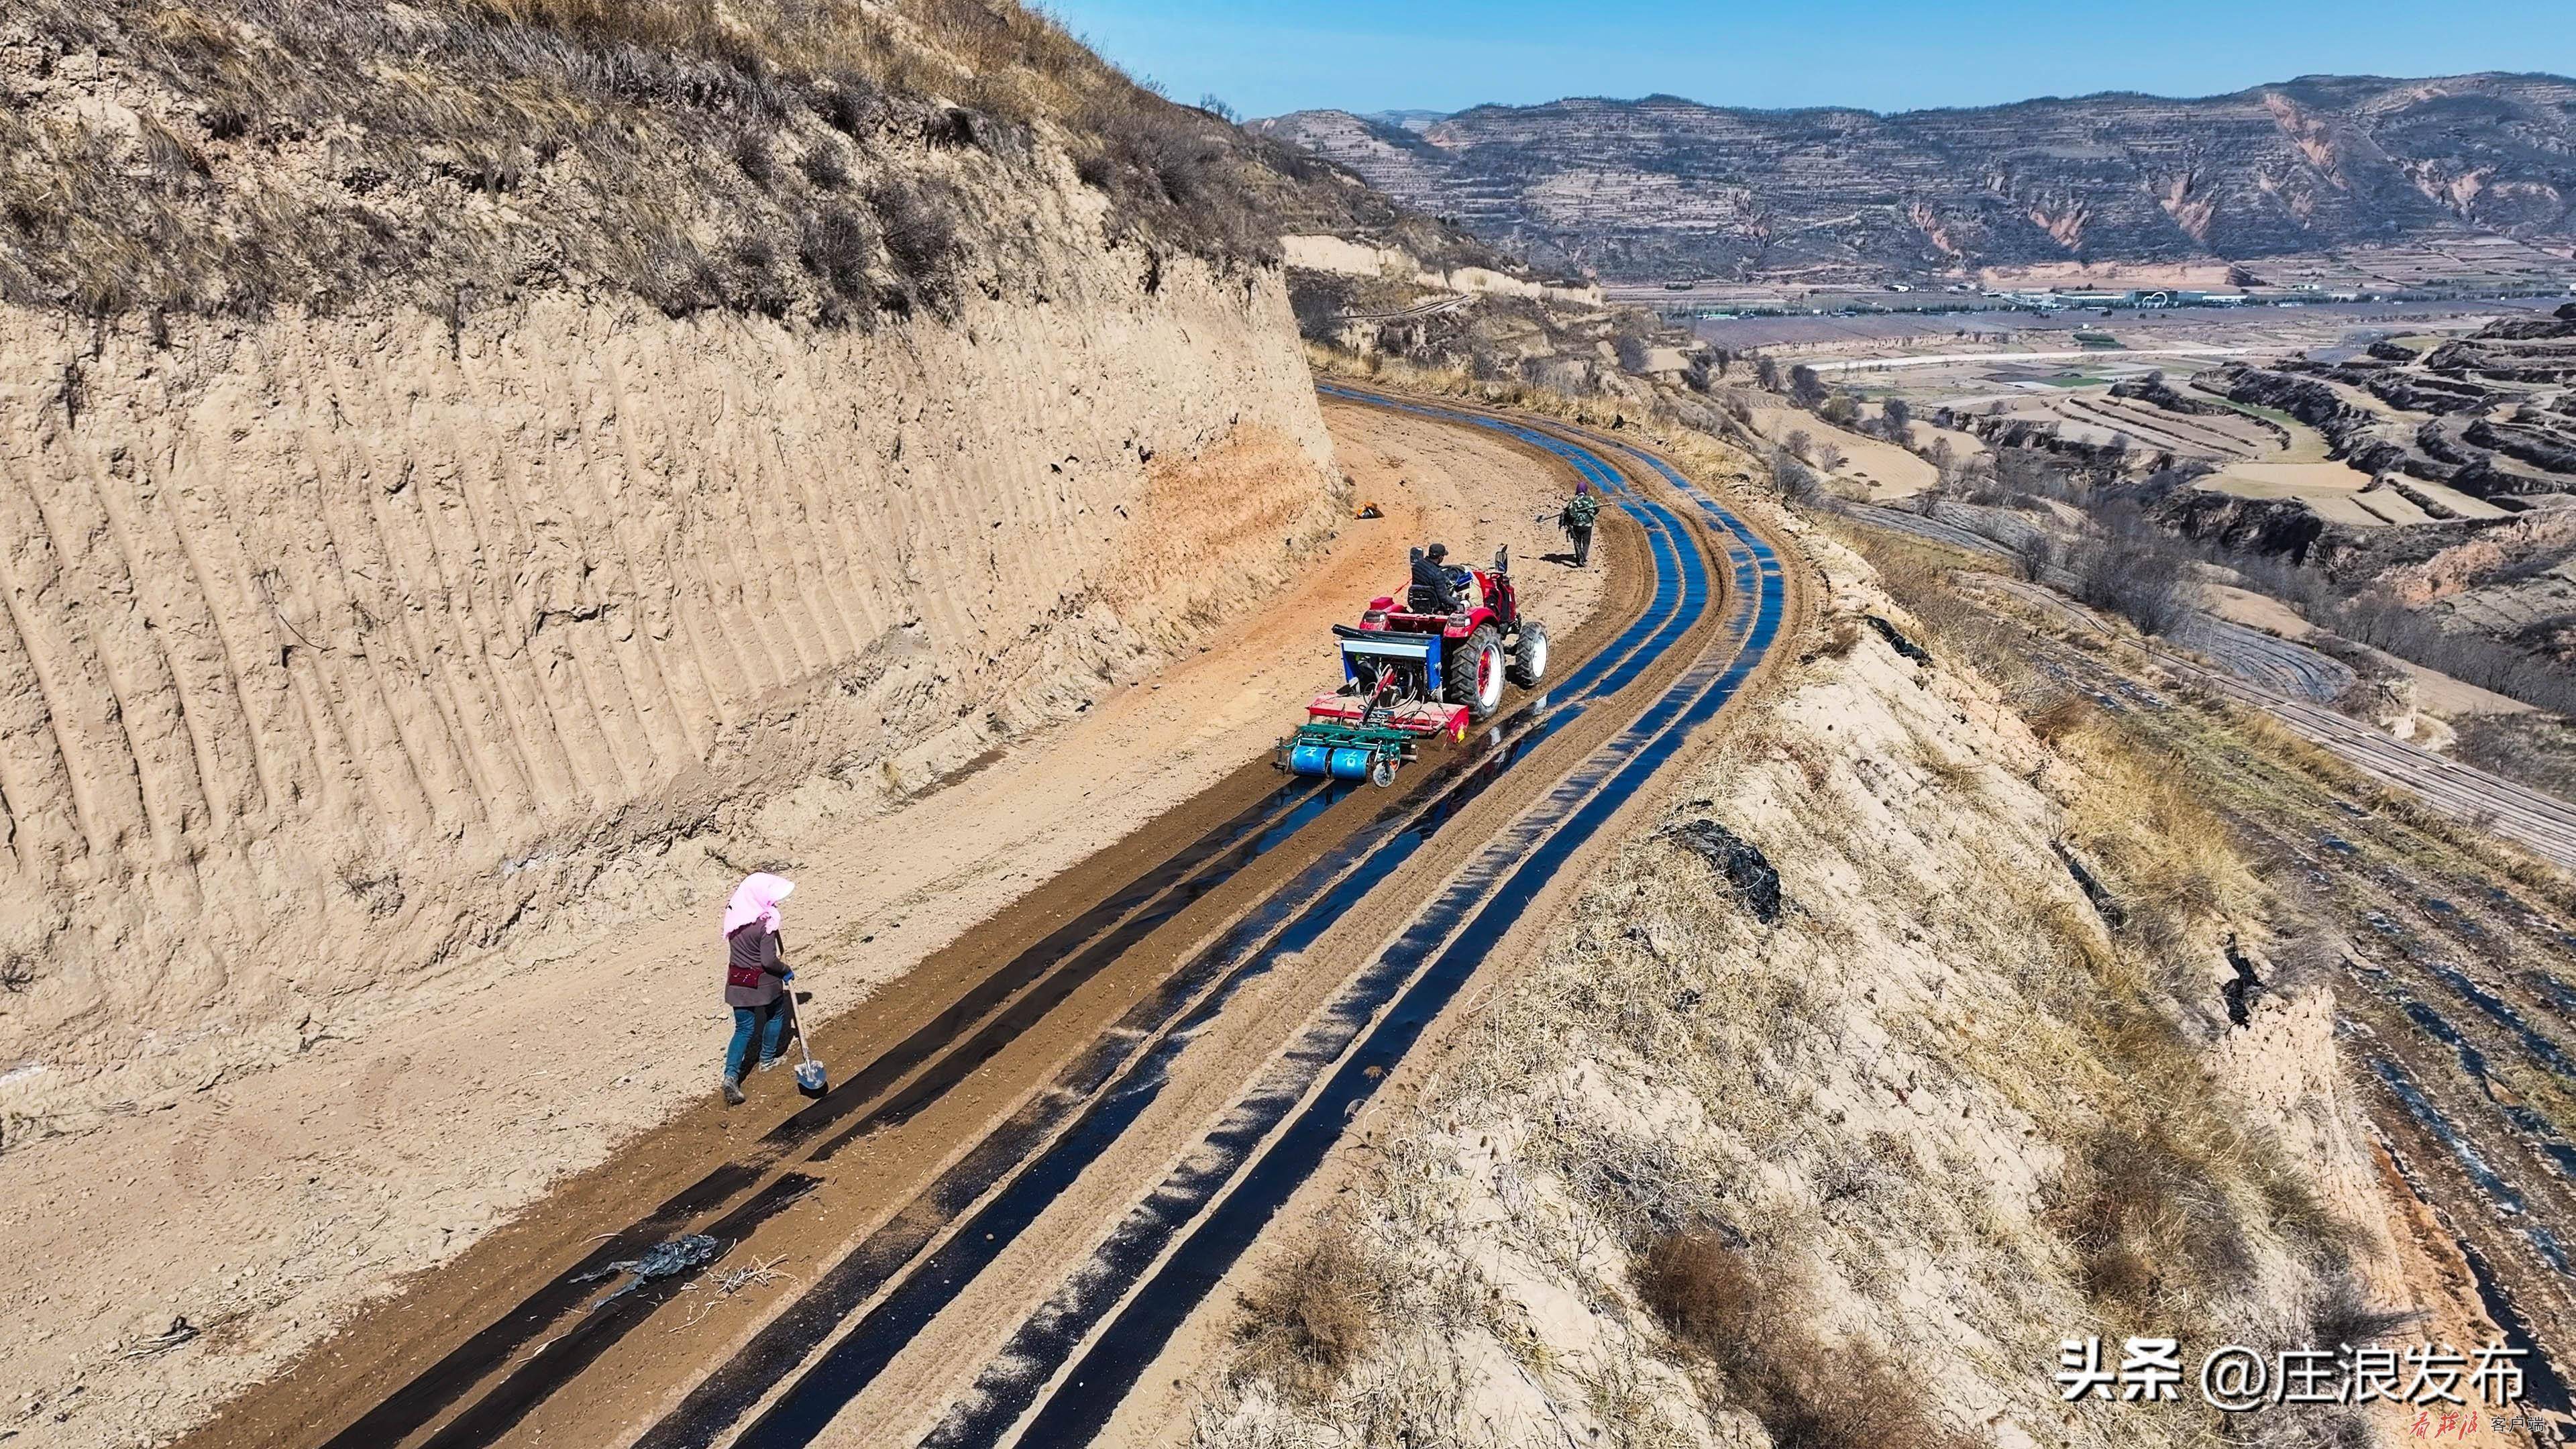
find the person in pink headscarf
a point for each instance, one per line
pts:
(756, 977)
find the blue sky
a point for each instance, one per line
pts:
(1264, 58)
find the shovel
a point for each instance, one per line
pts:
(809, 1072)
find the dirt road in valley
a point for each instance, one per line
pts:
(1130, 997)
(2540, 823)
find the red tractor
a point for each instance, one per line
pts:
(1484, 638)
(1429, 668)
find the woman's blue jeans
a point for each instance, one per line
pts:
(769, 1023)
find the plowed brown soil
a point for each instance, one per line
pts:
(919, 1385)
(1470, 489)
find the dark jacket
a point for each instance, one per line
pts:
(1432, 592)
(752, 968)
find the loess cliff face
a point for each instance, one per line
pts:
(332, 649)
(339, 642)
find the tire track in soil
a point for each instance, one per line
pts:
(498, 1385)
(1147, 1044)
(1188, 1232)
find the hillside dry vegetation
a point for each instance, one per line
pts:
(1841, 1165)
(2449, 948)
(239, 156)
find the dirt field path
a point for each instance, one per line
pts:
(268, 1210)
(1115, 1316)
(1200, 1345)
(919, 1076)
(1046, 1066)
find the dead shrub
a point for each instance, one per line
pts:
(2151, 1226)
(920, 235)
(1311, 1316)
(835, 248)
(752, 155)
(1706, 1295)
(824, 168)
(1815, 765)
(849, 103)
(2060, 717)
(1756, 1330)
(2343, 1314)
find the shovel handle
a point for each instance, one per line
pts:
(796, 1019)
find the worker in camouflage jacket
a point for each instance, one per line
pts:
(1577, 519)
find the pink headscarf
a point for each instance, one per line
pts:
(756, 899)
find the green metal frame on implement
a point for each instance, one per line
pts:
(1347, 752)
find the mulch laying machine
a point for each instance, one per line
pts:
(1417, 672)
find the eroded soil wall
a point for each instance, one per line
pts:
(334, 649)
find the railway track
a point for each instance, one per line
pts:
(911, 1184)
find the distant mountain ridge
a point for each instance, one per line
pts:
(1666, 187)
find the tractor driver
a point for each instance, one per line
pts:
(1434, 591)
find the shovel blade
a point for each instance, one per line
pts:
(809, 1078)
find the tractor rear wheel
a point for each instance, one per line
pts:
(1474, 674)
(1529, 655)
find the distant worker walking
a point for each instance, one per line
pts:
(756, 976)
(1577, 519)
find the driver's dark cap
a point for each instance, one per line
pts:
(1437, 550)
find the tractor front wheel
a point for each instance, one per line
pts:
(1474, 674)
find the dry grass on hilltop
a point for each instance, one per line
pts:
(828, 160)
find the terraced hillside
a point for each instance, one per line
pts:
(2471, 442)
(1664, 187)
